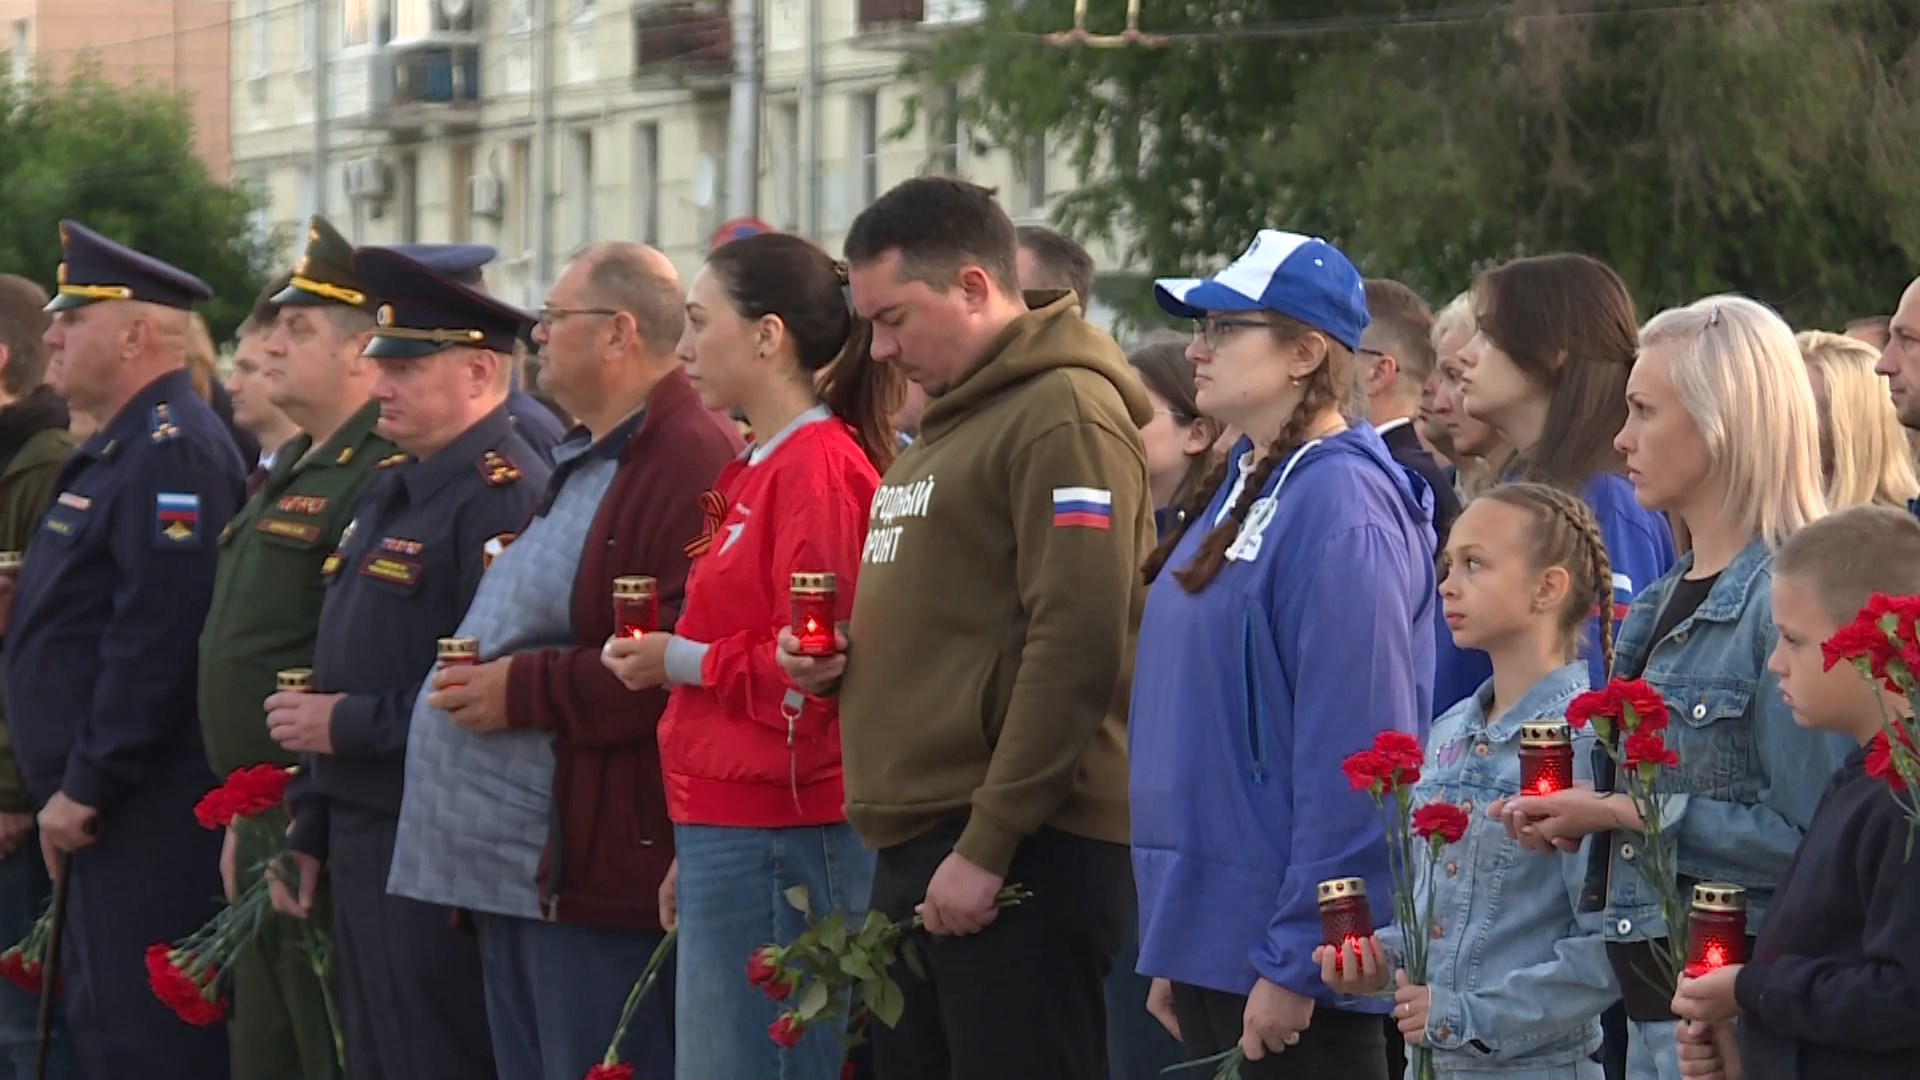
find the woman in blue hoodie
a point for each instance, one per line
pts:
(1293, 622)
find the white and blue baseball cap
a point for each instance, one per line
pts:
(1301, 277)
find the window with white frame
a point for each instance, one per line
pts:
(356, 23)
(863, 150)
(580, 173)
(260, 21)
(306, 21)
(646, 182)
(947, 153)
(786, 165)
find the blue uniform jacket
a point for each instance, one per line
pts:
(1316, 636)
(408, 566)
(101, 663)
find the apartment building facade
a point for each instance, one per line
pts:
(436, 113)
(177, 44)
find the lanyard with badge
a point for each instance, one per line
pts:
(1246, 544)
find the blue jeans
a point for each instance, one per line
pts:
(731, 903)
(1652, 1053)
(24, 892)
(554, 996)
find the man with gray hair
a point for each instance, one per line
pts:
(533, 788)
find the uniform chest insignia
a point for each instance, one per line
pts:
(492, 549)
(302, 504)
(390, 461)
(226, 532)
(397, 546)
(305, 532)
(390, 569)
(163, 427)
(346, 455)
(498, 469)
(75, 502)
(176, 516)
(330, 566)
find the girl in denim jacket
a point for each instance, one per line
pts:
(1721, 432)
(1516, 978)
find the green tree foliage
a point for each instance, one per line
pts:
(121, 161)
(1764, 146)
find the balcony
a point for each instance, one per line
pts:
(430, 87)
(904, 24)
(689, 44)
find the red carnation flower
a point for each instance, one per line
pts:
(610, 1072)
(179, 992)
(1401, 750)
(15, 969)
(1584, 707)
(1364, 768)
(848, 1072)
(249, 790)
(763, 971)
(1444, 820)
(1880, 763)
(1646, 750)
(1649, 708)
(786, 1029)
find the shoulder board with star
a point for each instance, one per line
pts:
(390, 461)
(498, 469)
(162, 425)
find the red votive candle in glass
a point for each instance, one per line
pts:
(1345, 917)
(10, 563)
(297, 680)
(813, 597)
(1546, 757)
(636, 606)
(1716, 927)
(459, 651)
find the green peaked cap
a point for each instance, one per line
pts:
(324, 274)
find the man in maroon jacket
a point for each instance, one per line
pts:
(533, 791)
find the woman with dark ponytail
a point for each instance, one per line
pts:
(1290, 621)
(752, 765)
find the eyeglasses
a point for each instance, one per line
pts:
(1213, 329)
(551, 315)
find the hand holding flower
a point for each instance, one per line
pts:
(1411, 1005)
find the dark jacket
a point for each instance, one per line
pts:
(34, 440)
(1834, 984)
(610, 842)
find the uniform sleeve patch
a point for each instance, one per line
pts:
(292, 530)
(176, 517)
(391, 569)
(1082, 508)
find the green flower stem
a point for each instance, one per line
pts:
(640, 988)
(1229, 1061)
(319, 955)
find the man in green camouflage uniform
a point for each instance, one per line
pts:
(266, 608)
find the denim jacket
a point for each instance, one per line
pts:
(1518, 979)
(1749, 777)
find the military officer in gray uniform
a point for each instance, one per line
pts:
(407, 567)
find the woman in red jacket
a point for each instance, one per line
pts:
(752, 765)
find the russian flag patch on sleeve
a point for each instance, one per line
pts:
(176, 516)
(1082, 508)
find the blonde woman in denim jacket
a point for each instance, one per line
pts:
(1721, 432)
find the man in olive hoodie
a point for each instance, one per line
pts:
(34, 440)
(983, 710)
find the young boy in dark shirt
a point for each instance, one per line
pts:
(1832, 991)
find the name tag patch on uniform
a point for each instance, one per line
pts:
(303, 504)
(176, 516)
(387, 568)
(75, 502)
(1082, 508)
(291, 530)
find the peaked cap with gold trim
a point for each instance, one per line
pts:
(422, 312)
(94, 268)
(325, 274)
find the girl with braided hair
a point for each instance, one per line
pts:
(1290, 619)
(1518, 976)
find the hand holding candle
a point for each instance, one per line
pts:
(459, 651)
(636, 606)
(1716, 928)
(813, 597)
